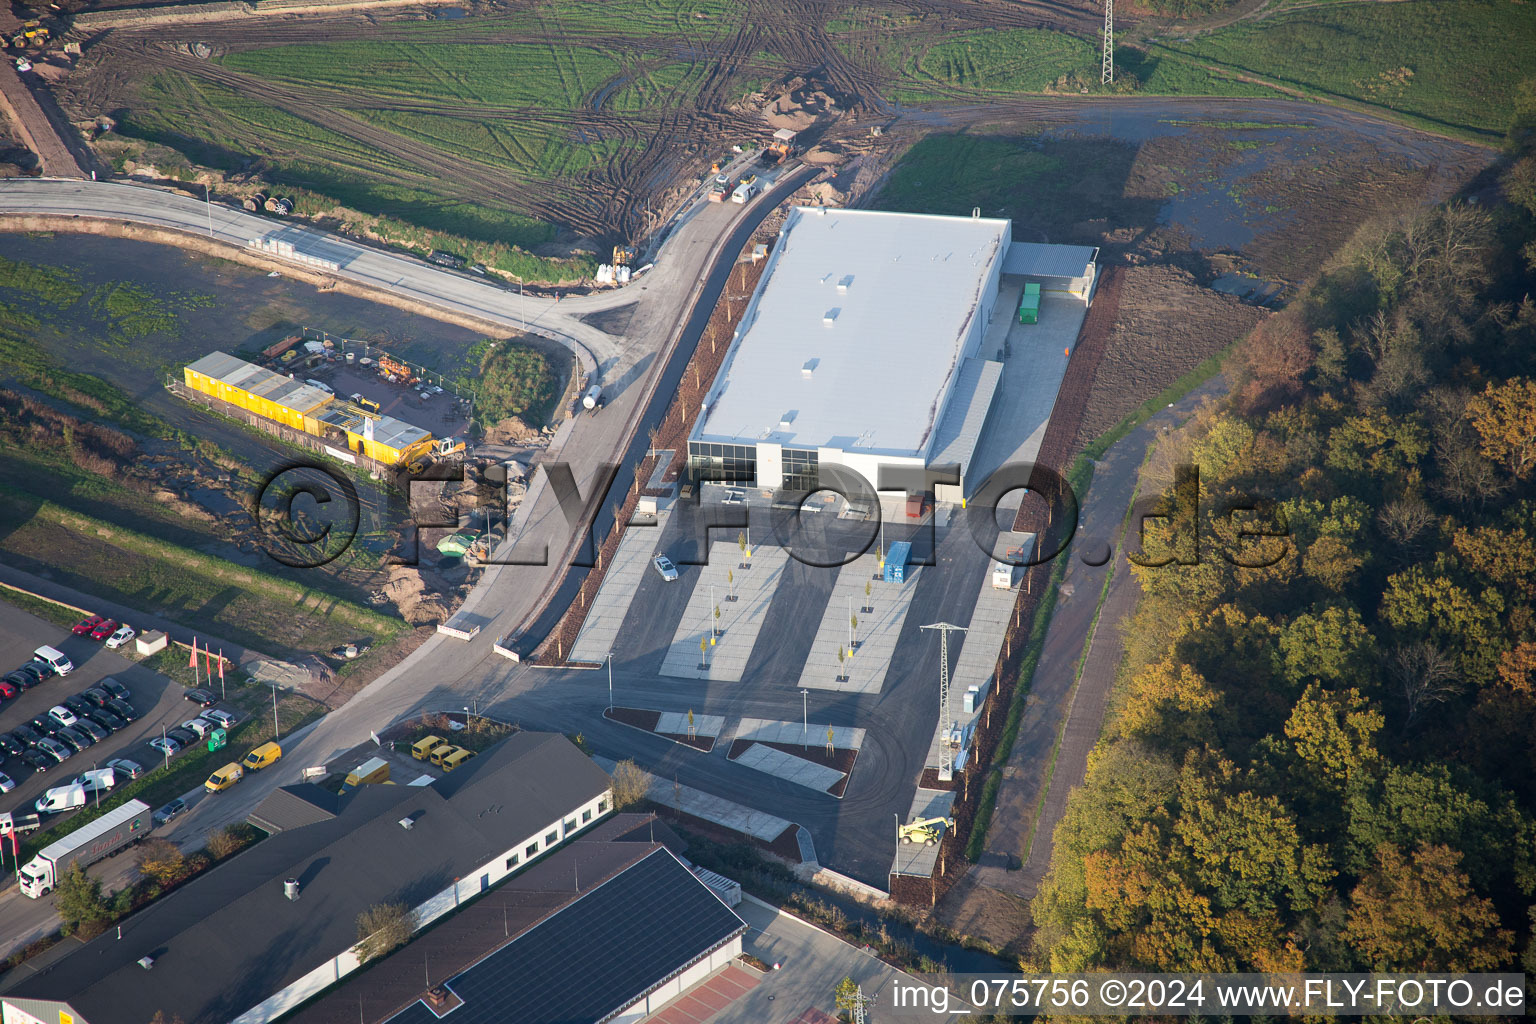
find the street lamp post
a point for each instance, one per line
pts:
(805, 716)
(277, 730)
(610, 681)
(208, 202)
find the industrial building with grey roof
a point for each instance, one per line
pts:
(234, 945)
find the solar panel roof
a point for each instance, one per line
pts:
(596, 956)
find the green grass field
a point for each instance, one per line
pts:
(1012, 60)
(1453, 66)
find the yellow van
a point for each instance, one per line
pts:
(442, 752)
(422, 748)
(458, 757)
(224, 778)
(266, 754)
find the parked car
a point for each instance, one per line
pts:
(168, 747)
(73, 737)
(26, 736)
(39, 761)
(62, 714)
(47, 725)
(21, 680)
(10, 746)
(123, 634)
(38, 670)
(79, 705)
(107, 720)
(122, 709)
(169, 811)
(104, 629)
(115, 688)
(184, 737)
(95, 730)
(8, 689)
(6, 785)
(220, 718)
(201, 726)
(665, 567)
(85, 625)
(202, 698)
(54, 749)
(126, 768)
(96, 695)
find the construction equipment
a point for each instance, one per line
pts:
(781, 148)
(434, 448)
(624, 255)
(396, 371)
(924, 830)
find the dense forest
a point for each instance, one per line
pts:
(1322, 758)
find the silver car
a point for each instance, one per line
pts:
(665, 567)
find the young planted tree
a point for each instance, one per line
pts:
(869, 589)
(842, 656)
(853, 623)
(717, 620)
(704, 652)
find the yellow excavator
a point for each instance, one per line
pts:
(924, 830)
(437, 448)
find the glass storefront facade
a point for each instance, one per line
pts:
(723, 463)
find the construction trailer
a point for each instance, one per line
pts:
(308, 409)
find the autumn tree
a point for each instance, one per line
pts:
(1334, 735)
(1504, 416)
(162, 861)
(1417, 912)
(630, 784)
(383, 928)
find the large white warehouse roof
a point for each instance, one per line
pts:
(855, 334)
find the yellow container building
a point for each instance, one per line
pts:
(305, 407)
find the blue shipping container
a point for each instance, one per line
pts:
(896, 561)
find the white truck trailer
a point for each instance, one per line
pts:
(113, 831)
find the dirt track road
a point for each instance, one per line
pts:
(19, 105)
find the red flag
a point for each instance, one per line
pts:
(192, 663)
(208, 661)
(221, 664)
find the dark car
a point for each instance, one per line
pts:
(10, 746)
(170, 811)
(96, 695)
(54, 749)
(104, 629)
(45, 725)
(39, 761)
(122, 709)
(85, 625)
(73, 737)
(95, 730)
(21, 680)
(202, 698)
(185, 738)
(26, 736)
(38, 670)
(106, 719)
(114, 688)
(79, 705)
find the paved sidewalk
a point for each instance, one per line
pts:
(844, 737)
(740, 620)
(706, 806)
(630, 563)
(790, 768)
(877, 634)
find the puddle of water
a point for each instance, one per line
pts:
(1253, 290)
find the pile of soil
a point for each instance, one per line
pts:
(799, 103)
(1166, 325)
(513, 430)
(411, 591)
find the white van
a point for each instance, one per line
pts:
(55, 659)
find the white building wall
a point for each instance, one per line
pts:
(465, 889)
(770, 464)
(663, 995)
